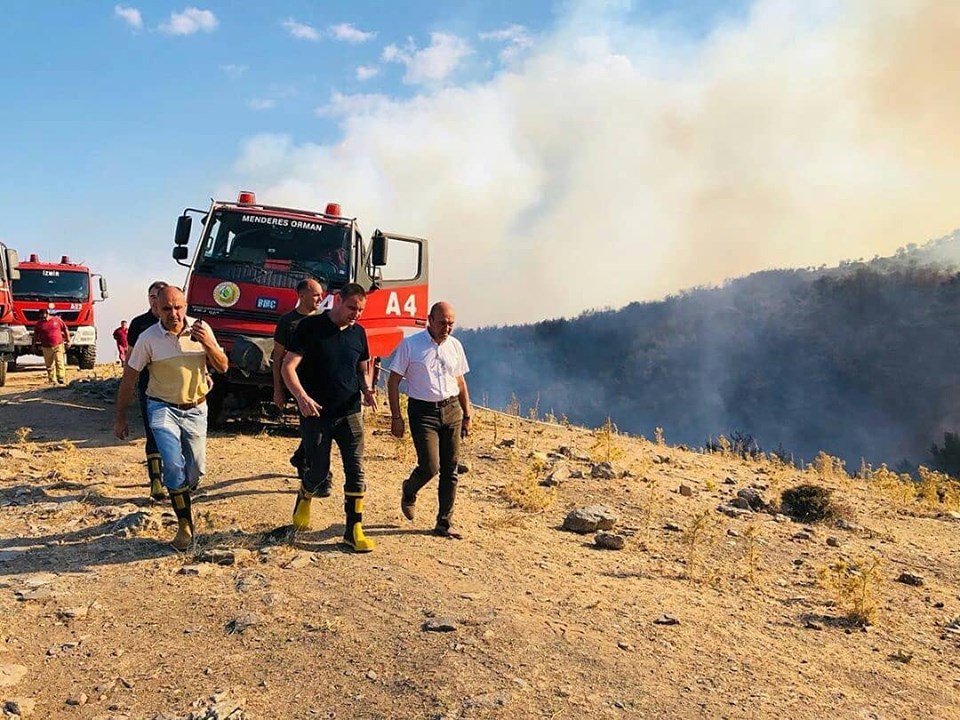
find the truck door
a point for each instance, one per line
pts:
(398, 270)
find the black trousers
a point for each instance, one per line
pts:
(319, 434)
(436, 437)
(151, 448)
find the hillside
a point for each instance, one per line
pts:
(858, 360)
(701, 614)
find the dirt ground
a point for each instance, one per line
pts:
(700, 614)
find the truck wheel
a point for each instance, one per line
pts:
(3, 372)
(215, 397)
(12, 364)
(87, 357)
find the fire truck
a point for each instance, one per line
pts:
(65, 289)
(8, 272)
(247, 263)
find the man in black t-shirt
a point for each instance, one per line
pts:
(309, 293)
(137, 326)
(327, 370)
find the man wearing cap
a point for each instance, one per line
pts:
(438, 408)
(53, 337)
(177, 350)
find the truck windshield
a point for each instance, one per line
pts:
(274, 246)
(52, 285)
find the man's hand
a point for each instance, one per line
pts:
(397, 427)
(120, 428)
(308, 406)
(369, 397)
(200, 332)
(464, 427)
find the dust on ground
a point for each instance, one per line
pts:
(703, 613)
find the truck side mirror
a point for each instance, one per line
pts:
(180, 252)
(12, 262)
(184, 224)
(378, 249)
(104, 293)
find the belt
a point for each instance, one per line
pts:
(436, 403)
(179, 406)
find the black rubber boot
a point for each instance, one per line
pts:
(155, 473)
(185, 538)
(353, 529)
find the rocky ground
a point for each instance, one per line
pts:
(696, 598)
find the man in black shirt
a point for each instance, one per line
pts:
(137, 326)
(327, 370)
(309, 293)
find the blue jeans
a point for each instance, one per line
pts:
(181, 437)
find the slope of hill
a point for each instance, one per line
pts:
(859, 360)
(701, 614)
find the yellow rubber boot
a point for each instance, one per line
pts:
(184, 539)
(301, 510)
(353, 530)
(155, 472)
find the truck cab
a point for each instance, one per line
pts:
(250, 257)
(64, 288)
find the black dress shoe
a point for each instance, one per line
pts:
(447, 533)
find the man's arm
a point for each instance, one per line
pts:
(124, 395)
(393, 397)
(66, 333)
(464, 399)
(363, 376)
(307, 405)
(279, 350)
(216, 357)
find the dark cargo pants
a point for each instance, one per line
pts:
(319, 434)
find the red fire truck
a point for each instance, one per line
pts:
(65, 289)
(246, 266)
(8, 273)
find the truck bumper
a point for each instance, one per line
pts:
(6, 342)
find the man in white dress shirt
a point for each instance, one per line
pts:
(433, 363)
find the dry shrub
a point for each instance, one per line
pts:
(856, 586)
(524, 491)
(896, 488)
(752, 539)
(829, 467)
(811, 503)
(937, 490)
(699, 538)
(607, 446)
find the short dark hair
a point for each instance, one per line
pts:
(44, 311)
(352, 290)
(157, 285)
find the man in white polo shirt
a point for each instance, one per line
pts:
(177, 351)
(433, 363)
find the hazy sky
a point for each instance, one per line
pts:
(560, 156)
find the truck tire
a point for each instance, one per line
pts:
(87, 357)
(215, 398)
(12, 364)
(3, 372)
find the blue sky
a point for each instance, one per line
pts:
(657, 144)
